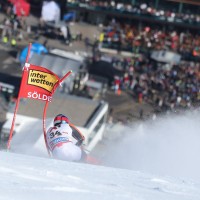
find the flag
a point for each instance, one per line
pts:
(37, 83)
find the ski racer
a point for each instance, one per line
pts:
(64, 143)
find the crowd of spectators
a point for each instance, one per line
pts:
(172, 89)
(12, 26)
(166, 90)
(18, 28)
(125, 37)
(143, 9)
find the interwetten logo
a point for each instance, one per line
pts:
(42, 79)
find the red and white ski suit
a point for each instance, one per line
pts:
(61, 143)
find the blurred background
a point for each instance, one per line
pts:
(132, 60)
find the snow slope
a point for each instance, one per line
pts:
(154, 160)
(26, 177)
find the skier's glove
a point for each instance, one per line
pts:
(79, 143)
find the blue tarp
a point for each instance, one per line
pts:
(35, 48)
(69, 16)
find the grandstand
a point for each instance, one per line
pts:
(179, 13)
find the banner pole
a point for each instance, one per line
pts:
(45, 109)
(17, 103)
(44, 127)
(13, 123)
(65, 76)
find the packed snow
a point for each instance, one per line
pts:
(158, 160)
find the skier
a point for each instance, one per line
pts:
(64, 143)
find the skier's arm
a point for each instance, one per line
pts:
(77, 135)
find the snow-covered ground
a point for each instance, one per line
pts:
(155, 160)
(25, 177)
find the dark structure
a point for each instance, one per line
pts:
(175, 13)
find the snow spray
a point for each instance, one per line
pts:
(169, 145)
